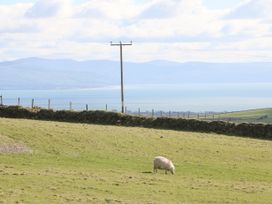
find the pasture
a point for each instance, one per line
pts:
(53, 162)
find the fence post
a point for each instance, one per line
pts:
(169, 114)
(139, 111)
(19, 101)
(188, 116)
(106, 107)
(152, 113)
(32, 103)
(49, 104)
(198, 116)
(1, 100)
(70, 106)
(87, 107)
(161, 113)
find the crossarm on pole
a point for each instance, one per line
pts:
(118, 44)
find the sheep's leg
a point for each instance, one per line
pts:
(154, 170)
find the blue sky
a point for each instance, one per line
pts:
(220, 4)
(178, 30)
(31, 1)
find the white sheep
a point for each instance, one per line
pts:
(163, 164)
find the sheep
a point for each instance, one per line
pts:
(163, 164)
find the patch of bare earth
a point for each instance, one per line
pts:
(8, 145)
(13, 148)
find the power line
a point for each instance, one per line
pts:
(120, 44)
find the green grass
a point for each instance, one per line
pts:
(72, 163)
(254, 116)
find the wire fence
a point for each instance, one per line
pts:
(58, 104)
(61, 104)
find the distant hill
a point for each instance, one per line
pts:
(263, 115)
(37, 73)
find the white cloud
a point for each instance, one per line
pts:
(181, 30)
(110, 9)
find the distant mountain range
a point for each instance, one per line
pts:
(37, 73)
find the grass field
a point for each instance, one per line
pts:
(72, 163)
(253, 116)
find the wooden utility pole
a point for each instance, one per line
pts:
(120, 44)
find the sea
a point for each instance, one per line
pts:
(214, 97)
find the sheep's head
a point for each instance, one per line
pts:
(172, 169)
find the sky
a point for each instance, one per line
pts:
(175, 30)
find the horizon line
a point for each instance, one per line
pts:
(137, 62)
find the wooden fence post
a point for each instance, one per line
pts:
(49, 104)
(70, 106)
(152, 113)
(139, 111)
(1, 100)
(19, 101)
(106, 107)
(32, 103)
(87, 107)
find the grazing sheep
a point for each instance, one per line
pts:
(163, 164)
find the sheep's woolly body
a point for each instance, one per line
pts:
(163, 164)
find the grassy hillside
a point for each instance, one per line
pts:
(254, 116)
(71, 163)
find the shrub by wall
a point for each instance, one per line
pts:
(109, 118)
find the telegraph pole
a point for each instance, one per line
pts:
(120, 44)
